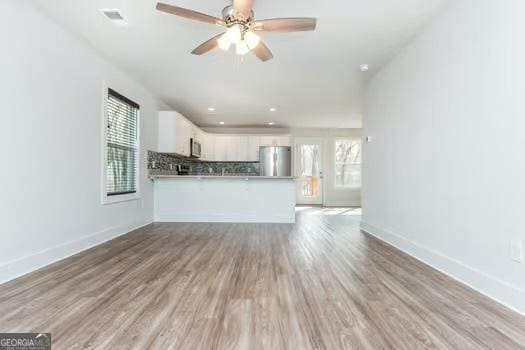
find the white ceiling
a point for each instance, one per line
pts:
(313, 80)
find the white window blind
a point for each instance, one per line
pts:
(122, 144)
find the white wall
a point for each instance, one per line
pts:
(444, 176)
(51, 150)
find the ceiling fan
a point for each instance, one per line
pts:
(241, 28)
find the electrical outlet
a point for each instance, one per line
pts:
(516, 251)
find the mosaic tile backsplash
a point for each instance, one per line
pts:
(167, 162)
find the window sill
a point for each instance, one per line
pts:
(120, 198)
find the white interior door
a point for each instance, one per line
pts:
(309, 169)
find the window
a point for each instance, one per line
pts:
(348, 163)
(122, 116)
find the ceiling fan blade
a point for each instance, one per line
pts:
(262, 52)
(194, 15)
(207, 45)
(243, 9)
(286, 24)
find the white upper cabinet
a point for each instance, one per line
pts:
(253, 148)
(221, 148)
(226, 148)
(231, 148)
(183, 136)
(242, 150)
(175, 133)
(208, 147)
(167, 128)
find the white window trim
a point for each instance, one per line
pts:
(351, 138)
(123, 197)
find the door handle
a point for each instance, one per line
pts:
(275, 159)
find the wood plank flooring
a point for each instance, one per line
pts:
(318, 284)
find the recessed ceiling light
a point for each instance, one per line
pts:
(211, 109)
(115, 16)
(222, 123)
(273, 109)
(271, 123)
(364, 67)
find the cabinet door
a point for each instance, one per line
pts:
(253, 148)
(167, 126)
(179, 136)
(231, 148)
(183, 136)
(221, 148)
(208, 147)
(242, 149)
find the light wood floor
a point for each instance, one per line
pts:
(319, 284)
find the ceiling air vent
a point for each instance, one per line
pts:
(115, 16)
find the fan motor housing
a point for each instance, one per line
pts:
(229, 16)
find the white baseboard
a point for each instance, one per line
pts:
(30, 263)
(500, 291)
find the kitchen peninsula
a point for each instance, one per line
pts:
(207, 177)
(204, 198)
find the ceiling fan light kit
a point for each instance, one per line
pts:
(241, 48)
(251, 39)
(241, 28)
(224, 42)
(234, 33)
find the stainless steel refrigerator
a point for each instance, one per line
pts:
(275, 160)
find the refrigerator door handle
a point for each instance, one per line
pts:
(275, 159)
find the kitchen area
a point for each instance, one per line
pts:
(201, 176)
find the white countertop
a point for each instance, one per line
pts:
(229, 177)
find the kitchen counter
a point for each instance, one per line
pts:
(229, 198)
(245, 177)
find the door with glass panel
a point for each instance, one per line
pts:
(309, 170)
(348, 163)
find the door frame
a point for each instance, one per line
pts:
(313, 140)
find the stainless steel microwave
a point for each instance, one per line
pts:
(196, 148)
